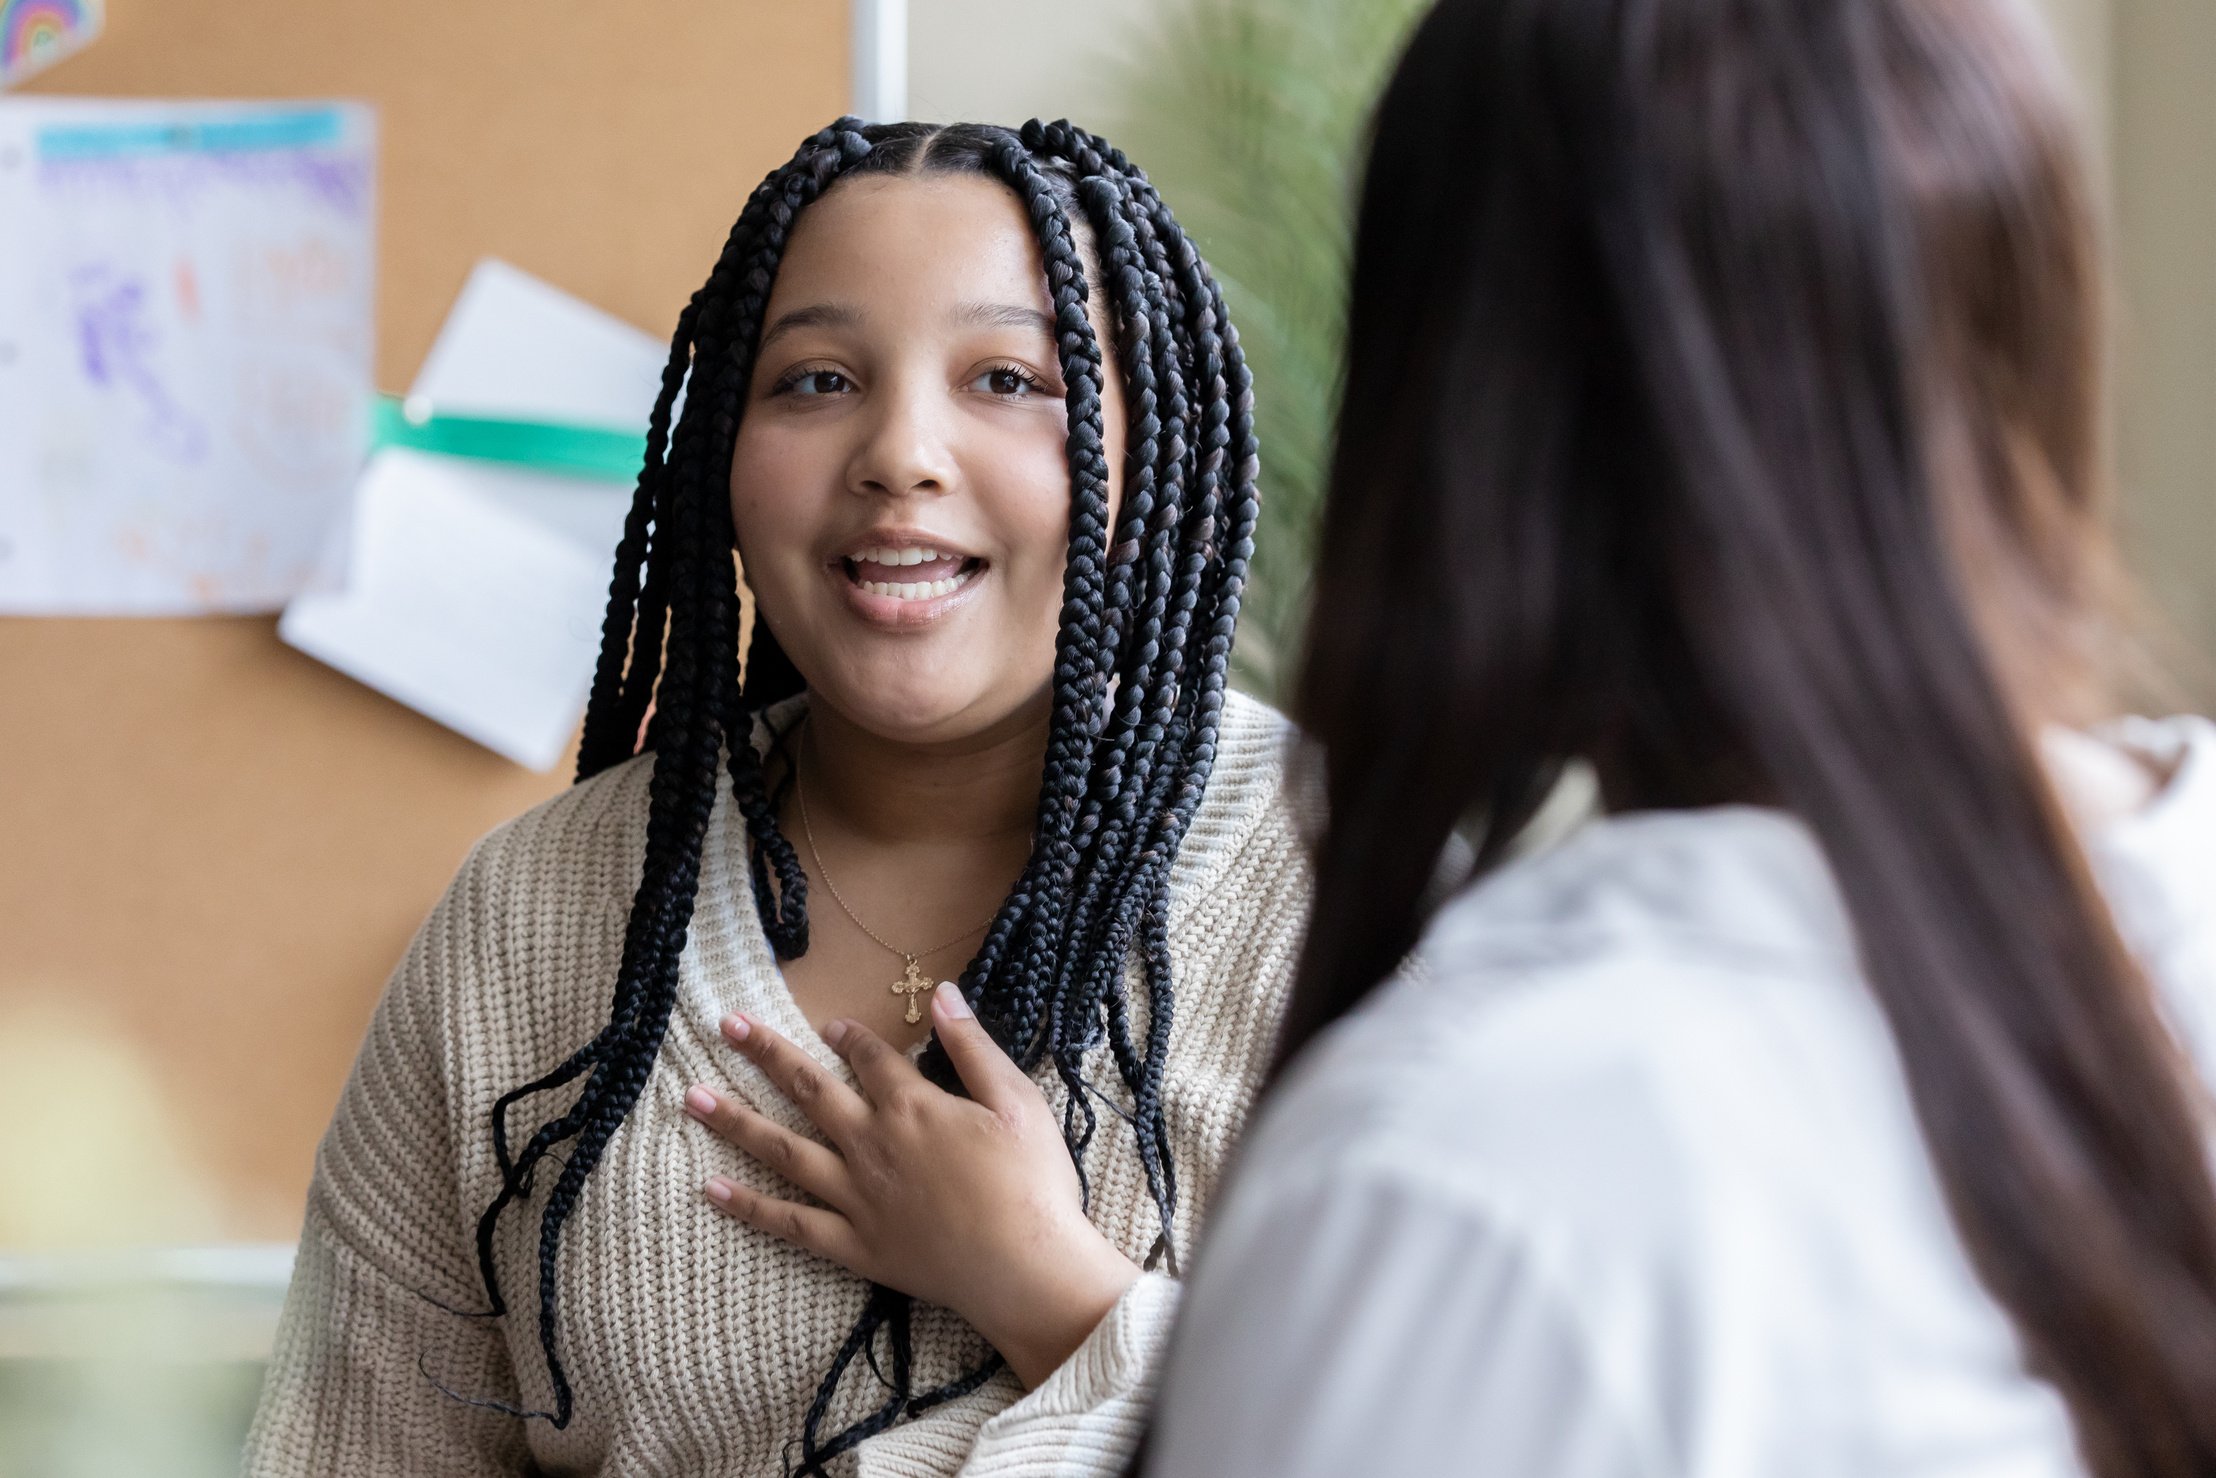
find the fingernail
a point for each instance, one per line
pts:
(719, 1190)
(736, 1027)
(700, 1102)
(834, 1033)
(948, 998)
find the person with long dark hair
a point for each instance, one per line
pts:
(622, 1180)
(1720, 423)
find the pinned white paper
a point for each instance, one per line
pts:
(185, 338)
(474, 592)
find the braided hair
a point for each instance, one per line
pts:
(1140, 665)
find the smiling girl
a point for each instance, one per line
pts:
(673, 1053)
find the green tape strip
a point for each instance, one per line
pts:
(599, 452)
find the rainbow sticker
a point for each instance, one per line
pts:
(34, 34)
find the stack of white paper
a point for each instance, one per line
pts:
(474, 592)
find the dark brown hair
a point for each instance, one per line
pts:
(1722, 410)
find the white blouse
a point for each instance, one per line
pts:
(1627, 1182)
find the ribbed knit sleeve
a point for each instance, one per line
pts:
(1082, 1421)
(350, 1387)
(1087, 1417)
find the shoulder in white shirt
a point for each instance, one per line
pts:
(1627, 1182)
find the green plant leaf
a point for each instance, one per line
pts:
(1249, 116)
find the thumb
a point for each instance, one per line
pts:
(989, 1073)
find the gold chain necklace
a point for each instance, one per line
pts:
(913, 981)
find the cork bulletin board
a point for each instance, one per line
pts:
(215, 847)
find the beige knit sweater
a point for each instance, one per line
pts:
(695, 1344)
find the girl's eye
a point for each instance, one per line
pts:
(1009, 380)
(814, 382)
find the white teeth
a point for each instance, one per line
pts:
(913, 554)
(916, 589)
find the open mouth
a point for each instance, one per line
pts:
(910, 571)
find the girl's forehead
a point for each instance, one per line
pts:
(962, 237)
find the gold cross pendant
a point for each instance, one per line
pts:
(911, 985)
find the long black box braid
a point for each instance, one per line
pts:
(1141, 659)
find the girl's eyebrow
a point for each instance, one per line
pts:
(968, 315)
(1004, 315)
(815, 315)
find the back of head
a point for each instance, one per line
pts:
(1721, 410)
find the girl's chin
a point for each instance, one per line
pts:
(965, 694)
(901, 716)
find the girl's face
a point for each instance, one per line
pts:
(900, 487)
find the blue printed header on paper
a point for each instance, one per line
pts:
(304, 128)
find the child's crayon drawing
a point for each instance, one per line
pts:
(121, 350)
(185, 337)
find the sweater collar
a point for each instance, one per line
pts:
(728, 964)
